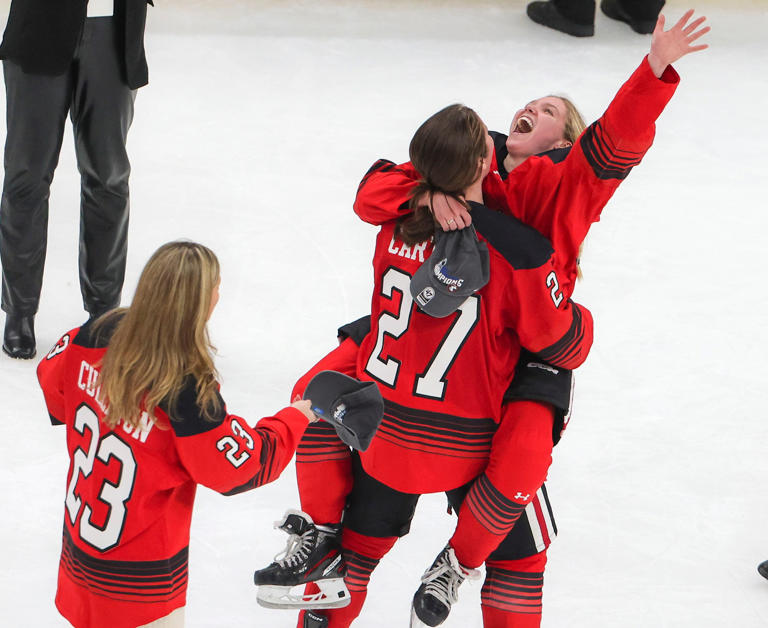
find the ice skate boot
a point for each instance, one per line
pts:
(439, 589)
(312, 554)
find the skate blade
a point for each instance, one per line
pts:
(333, 594)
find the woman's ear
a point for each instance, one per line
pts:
(563, 144)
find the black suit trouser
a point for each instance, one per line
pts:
(100, 104)
(583, 11)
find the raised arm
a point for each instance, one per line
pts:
(563, 200)
(669, 46)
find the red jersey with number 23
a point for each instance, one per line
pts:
(130, 491)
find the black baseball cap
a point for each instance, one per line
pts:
(354, 408)
(457, 268)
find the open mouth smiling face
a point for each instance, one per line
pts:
(538, 127)
(524, 124)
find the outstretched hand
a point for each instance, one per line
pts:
(669, 46)
(305, 407)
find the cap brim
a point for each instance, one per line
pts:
(441, 305)
(326, 387)
(362, 401)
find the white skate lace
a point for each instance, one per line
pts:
(297, 549)
(443, 579)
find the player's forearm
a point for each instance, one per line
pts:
(571, 349)
(235, 457)
(630, 119)
(385, 192)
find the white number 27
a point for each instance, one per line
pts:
(432, 382)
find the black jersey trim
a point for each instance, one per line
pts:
(521, 245)
(97, 337)
(606, 160)
(569, 344)
(555, 155)
(187, 418)
(269, 468)
(381, 165)
(436, 432)
(148, 580)
(356, 330)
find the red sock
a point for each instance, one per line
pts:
(512, 592)
(362, 554)
(323, 473)
(472, 541)
(323, 467)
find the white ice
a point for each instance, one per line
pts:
(259, 120)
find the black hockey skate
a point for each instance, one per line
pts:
(439, 589)
(312, 554)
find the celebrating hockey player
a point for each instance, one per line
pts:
(507, 264)
(145, 424)
(562, 200)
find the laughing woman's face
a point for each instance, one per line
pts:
(538, 127)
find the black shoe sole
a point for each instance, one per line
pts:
(19, 356)
(614, 11)
(546, 14)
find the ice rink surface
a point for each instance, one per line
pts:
(260, 119)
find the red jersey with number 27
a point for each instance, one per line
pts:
(442, 379)
(130, 491)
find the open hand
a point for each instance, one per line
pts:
(669, 46)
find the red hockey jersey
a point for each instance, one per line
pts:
(561, 200)
(130, 492)
(443, 378)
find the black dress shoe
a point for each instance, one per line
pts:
(614, 10)
(545, 13)
(19, 336)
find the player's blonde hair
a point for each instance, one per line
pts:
(574, 126)
(574, 121)
(162, 338)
